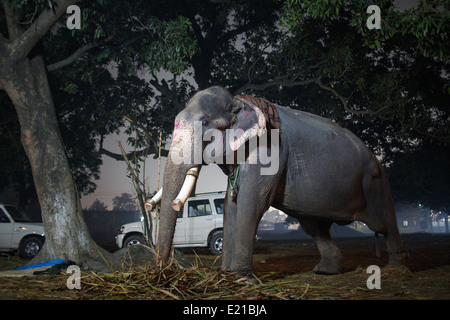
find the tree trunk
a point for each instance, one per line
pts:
(23, 76)
(67, 236)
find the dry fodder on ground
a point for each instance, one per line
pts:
(174, 282)
(281, 273)
(202, 282)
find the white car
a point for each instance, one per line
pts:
(199, 224)
(18, 232)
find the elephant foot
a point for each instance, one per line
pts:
(397, 260)
(330, 262)
(245, 273)
(328, 268)
(242, 274)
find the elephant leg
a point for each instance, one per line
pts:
(247, 220)
(229, 225)
(240, 225)
(330, 262)
(250, 207)
(398, 255)
(379, 215)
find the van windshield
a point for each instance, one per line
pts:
(18, 214)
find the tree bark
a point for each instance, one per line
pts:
(67, 236)
(24, 79)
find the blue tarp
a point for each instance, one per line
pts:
(48, 263)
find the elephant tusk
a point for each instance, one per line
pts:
(186, 189)
(150, 203)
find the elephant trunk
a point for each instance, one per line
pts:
(173, 178)
(181, 170)
(177, 185)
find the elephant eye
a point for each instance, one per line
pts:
(205, 122)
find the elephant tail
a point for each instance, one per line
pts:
(377, 246)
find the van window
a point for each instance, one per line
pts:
(219, 205)
(18, 214)
(3, 217)
(198, 208)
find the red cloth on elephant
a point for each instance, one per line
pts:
(269, 110)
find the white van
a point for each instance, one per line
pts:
(199, 224)
(19, 233)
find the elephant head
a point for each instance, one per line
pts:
(199, 137)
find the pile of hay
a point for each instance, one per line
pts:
(176, 282)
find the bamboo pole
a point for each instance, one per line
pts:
(157, 183)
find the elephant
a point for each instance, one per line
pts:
(321, 174)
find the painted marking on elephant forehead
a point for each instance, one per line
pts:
(183, 130)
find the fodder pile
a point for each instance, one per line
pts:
(190, 278)
(175, 282)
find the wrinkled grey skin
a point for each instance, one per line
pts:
(326, 174)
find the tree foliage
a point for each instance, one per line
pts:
(393, 84)
(124, 202)
(389, 86)
(97, 76)
(97, 205)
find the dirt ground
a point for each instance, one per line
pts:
(283, 271)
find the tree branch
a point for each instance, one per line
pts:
(343, 100)
(163, 87)
(281, 81)
(241, 29)
(13, 17)
(86, 47)
(277, 82)
(148, 150)
(74, 56)
(22, 45)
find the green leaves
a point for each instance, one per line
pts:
(428, 23)
(394, 80)
(170, 45)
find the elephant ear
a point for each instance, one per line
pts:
(248, 122)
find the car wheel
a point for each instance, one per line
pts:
(133, 239)
(30, 247)
(215, 243)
